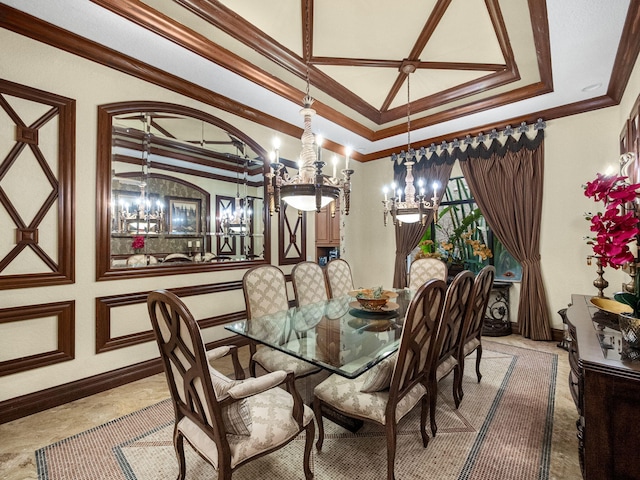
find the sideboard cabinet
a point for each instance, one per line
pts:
(605, 385)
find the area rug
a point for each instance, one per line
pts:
(502, 430)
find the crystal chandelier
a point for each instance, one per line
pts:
(309, 189)
(413, 208)
(236, 219)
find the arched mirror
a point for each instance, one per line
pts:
(177, 189)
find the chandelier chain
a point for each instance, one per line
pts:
(408, 114)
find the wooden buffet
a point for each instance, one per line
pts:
(605, 385)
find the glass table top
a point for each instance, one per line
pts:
(337, 335)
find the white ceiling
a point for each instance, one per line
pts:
(583, 36)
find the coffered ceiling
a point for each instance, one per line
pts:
(478, 63)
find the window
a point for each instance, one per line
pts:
(462, 238)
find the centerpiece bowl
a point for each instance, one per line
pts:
(373, 299)
(373, 303)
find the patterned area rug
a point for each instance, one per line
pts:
(502, 430)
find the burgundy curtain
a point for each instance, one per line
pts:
(408, 235)
(507, 183)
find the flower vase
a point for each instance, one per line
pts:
(600, 283)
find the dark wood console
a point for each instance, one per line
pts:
(605, 385)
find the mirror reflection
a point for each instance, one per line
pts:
(183, 191)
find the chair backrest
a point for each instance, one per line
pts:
(185, 363)
(454, 314)
(339, 278)
(309, 285)
(265, 291)
(425, 269)
(420, 324)
(139, 260)
(480, 298)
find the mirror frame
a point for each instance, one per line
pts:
(104, 270)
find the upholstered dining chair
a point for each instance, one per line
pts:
(424, 269)
(471, 338)
(444, 354)
(141, 260)
(309, 284)
(339, 277)
(265, 295)
(393, 387)
(228, 422)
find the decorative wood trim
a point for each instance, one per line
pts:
(292, 234)
(31, 403)
(65, 315)
(61, 198)
(104, 271)
(104, 341)
(35, 28)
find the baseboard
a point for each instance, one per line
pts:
(35, 402)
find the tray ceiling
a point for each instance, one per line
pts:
(477, 62)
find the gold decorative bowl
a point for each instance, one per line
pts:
(611, 306)
(373, 304)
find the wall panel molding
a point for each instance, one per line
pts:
(61, 199)
(105, 342)
(31, 403)
(65, 351)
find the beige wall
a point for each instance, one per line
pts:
(575, 148)
(39, 66)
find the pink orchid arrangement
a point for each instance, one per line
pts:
(614, 228)
(138, 243)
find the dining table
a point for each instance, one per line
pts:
(339, 335)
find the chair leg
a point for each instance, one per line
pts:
(317, 410)
(478, 358)
(252, 362)
(461, 364)
(391, 448)
(433, 396)
(310, 433)
(423, 421)
(457, 380)
(178, 445)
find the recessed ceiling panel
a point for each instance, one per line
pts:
(280, 19)
(369, 83)
(465, 34)
(368, 29)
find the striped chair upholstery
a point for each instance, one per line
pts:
(425, 269)
(339, 278)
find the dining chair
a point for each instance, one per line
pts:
(424, 269)
(339, 278)
(228, 422)
(309, 285)
(393, 387)
(444, 354)
(471, 338)
(176, 257)
(265, 295)
(140, 260)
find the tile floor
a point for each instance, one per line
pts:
(21, 438)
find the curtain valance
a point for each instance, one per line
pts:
(430, 156)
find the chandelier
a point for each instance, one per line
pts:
(236, 219)
(413, 207)
(309, 189)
